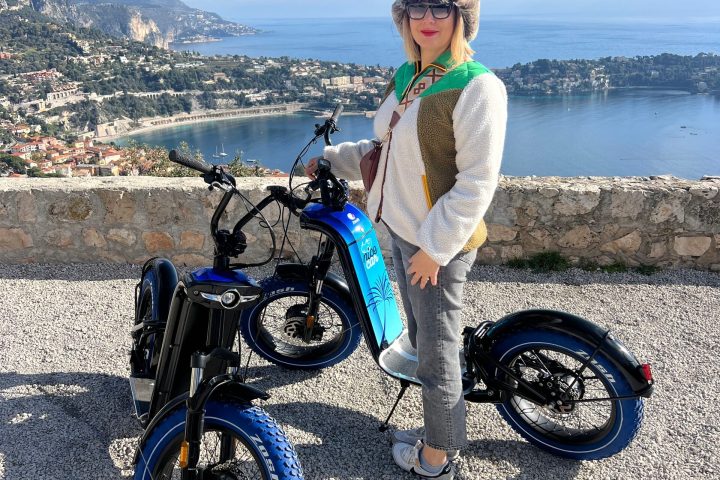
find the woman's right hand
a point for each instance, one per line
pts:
(311, 167)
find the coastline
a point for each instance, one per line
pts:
(586, 93)
(160, 123)
(155, 124)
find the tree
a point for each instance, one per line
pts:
(16, 164)
(87, 115)
(237, 168)
(163, 167)
(154, 161)
(34, 172)
(207, 100)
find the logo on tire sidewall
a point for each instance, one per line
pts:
(600, 368)
(281, 290)
(266, 456)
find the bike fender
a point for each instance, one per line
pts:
(163, 278)
(241, 392)
(577, 327)
(296, 271)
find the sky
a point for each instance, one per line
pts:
(667, 9)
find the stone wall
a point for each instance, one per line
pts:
(658, 221)
(637, 221)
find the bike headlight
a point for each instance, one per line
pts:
(229, 299)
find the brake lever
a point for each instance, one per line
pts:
(221, 186)
(312, 185)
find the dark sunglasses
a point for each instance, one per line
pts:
(441, 11)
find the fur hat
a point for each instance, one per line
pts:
(469, 9)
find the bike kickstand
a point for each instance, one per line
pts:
(404, 384)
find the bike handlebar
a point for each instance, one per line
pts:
(333, 193)
(198, 165)
(331, 123)
(336, 114)
(329, 126)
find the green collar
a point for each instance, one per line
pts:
(443, 62)
(456, 76)
(409, 74)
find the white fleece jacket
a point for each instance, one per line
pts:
(479, 123)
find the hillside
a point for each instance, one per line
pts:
(65, 78)
(156, 22)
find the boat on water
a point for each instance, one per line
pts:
(221, 153)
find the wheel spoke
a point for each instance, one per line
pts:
(579, 420)
(286, 335)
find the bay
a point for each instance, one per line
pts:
(619, 133)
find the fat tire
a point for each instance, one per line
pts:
(277, 288)
(142, 353)
(244, 420)
(629, 412)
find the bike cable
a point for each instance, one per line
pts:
(286, 223)
(247, 363)
(263, 223)
(298, 160)
(286, 226)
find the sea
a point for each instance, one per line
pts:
(617, 133)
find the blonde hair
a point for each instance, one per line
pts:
(460, 50)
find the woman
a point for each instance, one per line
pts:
(437, 175)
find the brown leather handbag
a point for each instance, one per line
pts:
(370, 161)
(369, 164)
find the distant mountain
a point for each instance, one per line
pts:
(157, 22)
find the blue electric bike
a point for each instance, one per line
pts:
(198, 412)
(565, 384)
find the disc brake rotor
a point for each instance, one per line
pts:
(567, 387)
(296, 321)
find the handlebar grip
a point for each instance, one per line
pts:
(198, 165)
(336, 114)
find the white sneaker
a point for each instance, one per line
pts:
(412, 436)
(407, 457)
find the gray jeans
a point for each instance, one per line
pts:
(433, 317)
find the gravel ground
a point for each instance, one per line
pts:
(65, 405)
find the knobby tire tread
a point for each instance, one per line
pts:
(284, 458)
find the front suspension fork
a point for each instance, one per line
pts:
(200, 391)
(319, 267)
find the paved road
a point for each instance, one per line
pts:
(65, 409)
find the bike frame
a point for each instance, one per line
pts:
(353, 236)
(195, 325)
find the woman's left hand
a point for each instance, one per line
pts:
(423, 269)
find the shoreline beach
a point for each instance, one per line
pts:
(160, 123)
(155, 124)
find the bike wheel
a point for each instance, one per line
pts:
(143, 344)
(275, 327)
(239, 442)
(552, 362)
